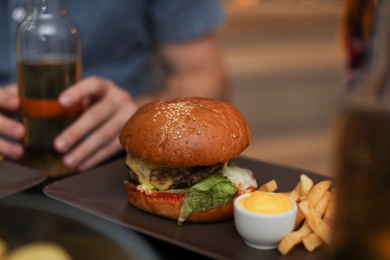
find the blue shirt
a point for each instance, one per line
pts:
(119, 37)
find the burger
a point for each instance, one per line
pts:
(178, 153)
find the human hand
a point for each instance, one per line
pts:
(10, 128)
(93, 137)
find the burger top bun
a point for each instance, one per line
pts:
(185, 132)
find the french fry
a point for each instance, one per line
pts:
(329, 212)
(295, 237)
(317, 191)
(314, 195)
(315, 222)
(294, 196)
(322, 204)
(269, 186)
(312, 241)
(315, 210)
(305, 184)
(300, 217)
(292, 239)
(296, 188)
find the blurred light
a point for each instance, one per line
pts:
(310, 2)
(285, 1)
(248, 2)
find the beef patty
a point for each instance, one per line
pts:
(182, 177)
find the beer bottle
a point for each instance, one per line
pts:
(362, 225)
(48, 54)
(357, 23)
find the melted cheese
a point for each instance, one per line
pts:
(143, 171)
(242, 178)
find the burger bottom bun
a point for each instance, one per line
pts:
(169, 206)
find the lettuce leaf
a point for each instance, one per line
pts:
(213, 192)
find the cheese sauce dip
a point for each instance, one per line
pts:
(266, 202)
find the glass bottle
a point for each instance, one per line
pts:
(362, 225)
(48, 53)
(357, 23)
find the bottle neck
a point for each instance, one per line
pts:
(380, 45)
(48, 7)
(376, 76)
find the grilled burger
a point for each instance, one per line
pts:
(177, 155)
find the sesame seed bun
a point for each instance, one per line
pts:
(172, 144)
(185, 132)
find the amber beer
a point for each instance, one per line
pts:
(362, 228)
(40, 83)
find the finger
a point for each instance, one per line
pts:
(10, 149)
(92, 155)
(11, 89)
(92, 87)
(11, 128)
(96, 141)
(9, 99)
(101, 155)
(88, 121)
(115, 101)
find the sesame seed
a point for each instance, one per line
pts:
(199, 132)
(205, 125)
(234, 136)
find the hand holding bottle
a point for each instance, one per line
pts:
(11, 130)
(48, 54)
(87, 142)
(93, 137)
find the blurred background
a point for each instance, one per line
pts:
(286, 67)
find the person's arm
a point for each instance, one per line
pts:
(195, 68)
